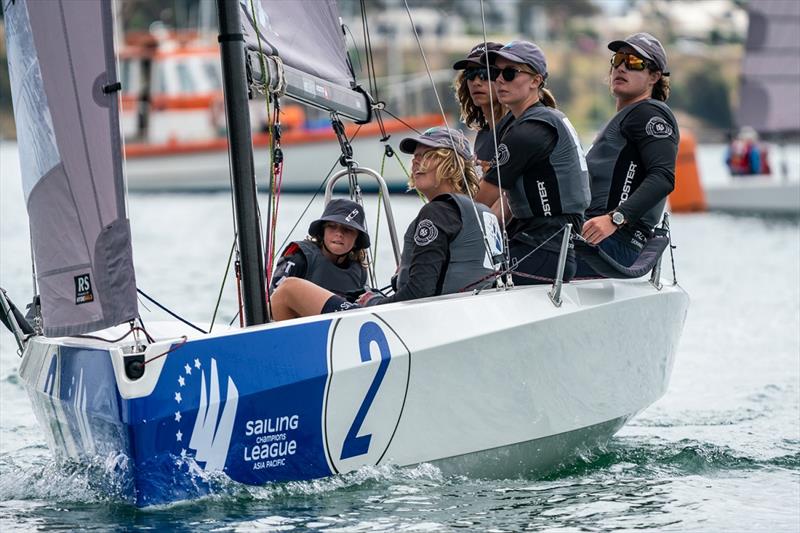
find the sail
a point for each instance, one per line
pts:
(307, 36)
(770, 81)
(63, 75)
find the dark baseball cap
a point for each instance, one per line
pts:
(439, 137)
(646, 46)
(524, 52)
(347, 213)
(476, 55)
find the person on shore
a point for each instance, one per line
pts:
(332, 256)
(632, 160)
(477, 99)
(541, 170)
(444, 248)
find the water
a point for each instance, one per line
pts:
(721, 451)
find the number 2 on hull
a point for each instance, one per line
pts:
(355, 444)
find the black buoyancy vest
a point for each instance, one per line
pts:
(569, 194)
(327, 275)
(468, 257)
(603, 157)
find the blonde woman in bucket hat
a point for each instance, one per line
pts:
(443, 248)
(632, 160)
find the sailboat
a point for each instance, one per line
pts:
(499, 382)
(768, 94)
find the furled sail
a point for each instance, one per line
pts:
(63, 85)
(770, 82)
(307, 37)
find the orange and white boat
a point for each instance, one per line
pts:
(173, 121)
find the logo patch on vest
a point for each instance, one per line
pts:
(503, 155)
(83, 289)
(426, 233)
(658, 127)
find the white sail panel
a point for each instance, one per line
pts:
(62, 70)
(770, 81)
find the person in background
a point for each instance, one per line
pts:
(541, 171)
(746, 156)
(632, 160)
(444, 248)
(477, 99)
(332, 256)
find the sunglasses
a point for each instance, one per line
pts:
(480, 72)
(508, 73)
(632, 62)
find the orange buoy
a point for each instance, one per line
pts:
(688, 195)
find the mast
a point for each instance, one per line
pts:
(240, 150)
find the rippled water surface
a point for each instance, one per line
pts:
(721, 451)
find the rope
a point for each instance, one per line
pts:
(174, 315)
(224, 277)
(447, 125)
(183, 341)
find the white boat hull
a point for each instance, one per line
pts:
(496, 384)
(758, 194)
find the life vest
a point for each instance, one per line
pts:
(468, 257)
(324, 273)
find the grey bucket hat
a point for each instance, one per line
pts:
(524, 52)
(476, 56)
(347, 213)
(646, 46)
(439, 137)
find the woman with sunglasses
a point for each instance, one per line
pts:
(541, 171)
(480, 108)
(632, 160)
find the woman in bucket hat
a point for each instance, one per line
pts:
(541, 172)
(632, 160)
(477, 99)
(332, 256)
(444, 249)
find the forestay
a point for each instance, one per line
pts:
(63, 76)
(771, 68)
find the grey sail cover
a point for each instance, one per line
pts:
(770, 82)
(60, 58)
(305, 34)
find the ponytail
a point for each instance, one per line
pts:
(547, 98)
(661, 89)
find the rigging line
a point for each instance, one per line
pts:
(452, 141)
(494, 140)
(372, 77)
(174, 315)
(222, 287)
(184, 340)
(401, 121)
(514, 267)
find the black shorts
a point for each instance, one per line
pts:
(336, 303)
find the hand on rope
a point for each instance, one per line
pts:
(365, 298)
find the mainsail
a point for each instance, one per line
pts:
(307, 37)
(63, 85)
(770, 82)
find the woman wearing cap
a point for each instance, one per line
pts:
(632, 160)
(480, 108)
(444, 250)
(541, 170)
(332, 256)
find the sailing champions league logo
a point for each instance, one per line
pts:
(211, 434)
(83, 289)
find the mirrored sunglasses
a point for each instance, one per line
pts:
(471, 73)
(632, 61)
(508, 73)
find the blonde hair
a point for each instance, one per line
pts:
(471, 114)
(449, 169)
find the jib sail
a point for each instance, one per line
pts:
(64, 90)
